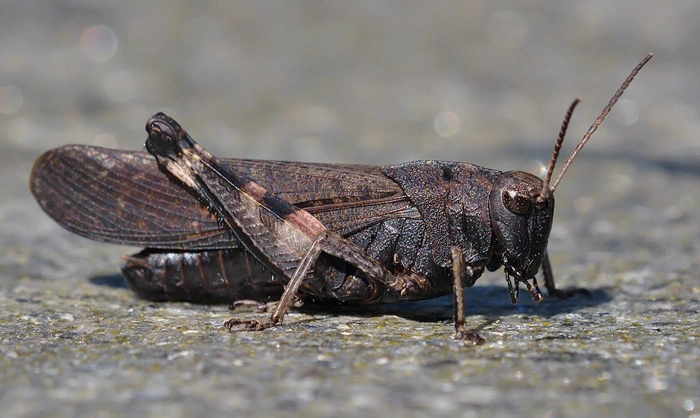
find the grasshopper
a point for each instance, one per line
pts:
(227, 230)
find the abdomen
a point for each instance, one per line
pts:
(224, 276)
(216, 276)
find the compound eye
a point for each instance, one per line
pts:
(517, 202)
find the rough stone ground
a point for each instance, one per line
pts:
(378, 83)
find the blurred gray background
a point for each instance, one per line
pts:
(375, 82)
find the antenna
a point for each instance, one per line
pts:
(591, 130)
(557, 147)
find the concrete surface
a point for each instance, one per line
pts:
(375, 82)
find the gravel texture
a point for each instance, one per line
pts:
(375, 82)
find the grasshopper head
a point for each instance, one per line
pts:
(522, 207)
(521, 218)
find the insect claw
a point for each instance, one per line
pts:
(231, 323)
(248, 324)
(469, 336)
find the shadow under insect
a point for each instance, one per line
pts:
(489, 300)
(115, 281)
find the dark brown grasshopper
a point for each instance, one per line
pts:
(223, 230)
